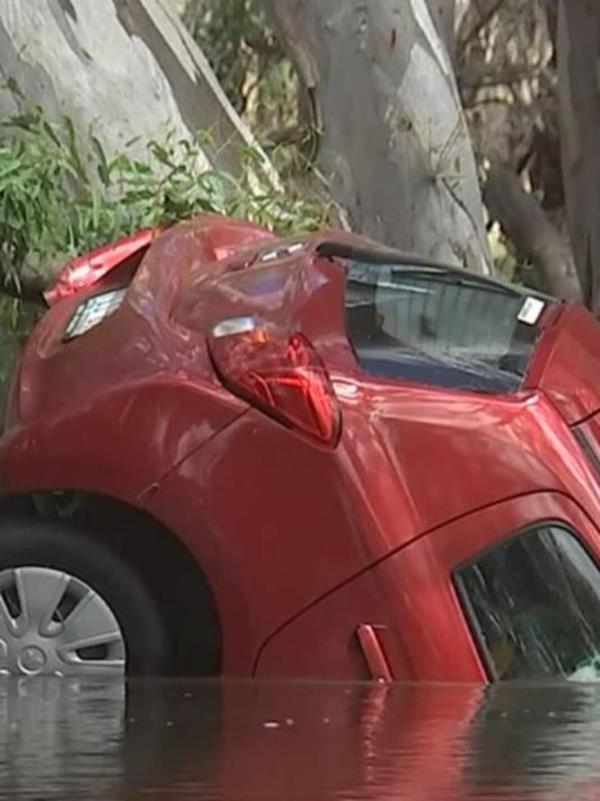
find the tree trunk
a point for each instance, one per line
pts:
(444, 14)
(394, 142)
(524, 222)
(120, 69)
(579, 82)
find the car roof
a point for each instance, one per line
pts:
(334, 243)
(234, 237)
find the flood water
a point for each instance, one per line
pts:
(64, 739)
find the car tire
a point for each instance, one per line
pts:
(48, 547)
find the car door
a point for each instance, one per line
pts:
(509, 592)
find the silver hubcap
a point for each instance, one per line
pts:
(54, 624)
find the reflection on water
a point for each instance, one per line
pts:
(297, 742)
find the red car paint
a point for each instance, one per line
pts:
(90, 268)
(302, 543)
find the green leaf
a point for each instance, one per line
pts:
(14, 88)
(51, 133)
(102, 166)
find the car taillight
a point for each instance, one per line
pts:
(280, 374)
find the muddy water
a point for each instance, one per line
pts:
(297, 742)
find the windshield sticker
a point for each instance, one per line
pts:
(531, 311)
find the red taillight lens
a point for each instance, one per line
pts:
(279, 374)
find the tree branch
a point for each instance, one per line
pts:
(479, 79)
(529, 229)
(485, 17)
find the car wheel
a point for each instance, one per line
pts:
(70, 606)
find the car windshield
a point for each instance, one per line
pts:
(440, 326)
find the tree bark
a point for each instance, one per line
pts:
(444, 14)
(579, 90)
(393, 138)
(120, 69)
(524, 222)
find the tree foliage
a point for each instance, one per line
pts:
(505, 57)
(54, 202)
(257, 75)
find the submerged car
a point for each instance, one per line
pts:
(228, 453)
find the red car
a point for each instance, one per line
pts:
(316, 457)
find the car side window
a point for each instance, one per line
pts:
(533, 603)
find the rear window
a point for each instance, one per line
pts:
(440, 326)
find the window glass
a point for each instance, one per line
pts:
(534, 603)
(440, 326)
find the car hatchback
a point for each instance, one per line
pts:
(311, 457)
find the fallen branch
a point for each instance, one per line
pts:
(526, 225)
